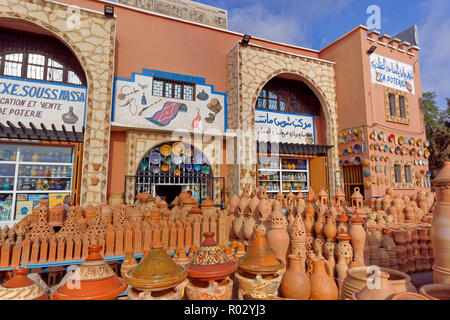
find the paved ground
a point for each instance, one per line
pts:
(421, 278)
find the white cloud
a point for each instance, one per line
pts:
(434, 41)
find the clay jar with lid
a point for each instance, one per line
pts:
(440, 227)
(323, 286)
(156, 277)
(20, 287)
(344, 248)
(295, 283)
(209, 272)
(95, 280)
(278, 237)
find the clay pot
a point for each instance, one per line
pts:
(295, 283)
(330, 229)
(128, 263)
(440, 227)
(249, 227)
(309, 223)
(264, 208)
(358, 235)
(319, 225)
(20, 287)
(357, 278)
(234, 202)
(376, 291)
(97, 281)
(210, 290)
(436, 291)
(323, 286)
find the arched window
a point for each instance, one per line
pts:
(288, 96)
(38, 57)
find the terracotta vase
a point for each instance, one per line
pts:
(295, 283)
(323, 286)
(379, 289)
(330, 229)
(249, 227)
(309, 222)
(358, 235)
(128, 263)
(20, 287)
(264, 208)
(278, 237)
(440, 227)
(234, 203)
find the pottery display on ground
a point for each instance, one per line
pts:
(295, 283)
(156, 277)
(436, 291)
(440, 227)
(93, 280)
(378, 289)
(21, 287)
(209, 272)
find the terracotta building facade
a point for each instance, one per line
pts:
(171, 104)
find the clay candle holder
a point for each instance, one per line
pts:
(209, 271)
(95, 280)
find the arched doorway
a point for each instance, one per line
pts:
(170, 167)
(290, 127)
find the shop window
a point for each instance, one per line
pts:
(402, 174)
(288, 96)
(392, 104)
(38, 57)
(173, 89)
(396, 106)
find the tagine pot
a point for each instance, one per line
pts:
(20, 287)
(95, 280)
(440, 227)
(209, 272)
(323, 286)
(156, 277)
(295, 283)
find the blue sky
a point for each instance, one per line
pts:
(316, 23)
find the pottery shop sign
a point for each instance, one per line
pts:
(162, 100)
(284, 127)
(392, 73)
(39, 102)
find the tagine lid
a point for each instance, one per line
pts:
(207, 203)
(97, 280)
(20, 287)
(156, 271)
(209, 261)
(260, 258)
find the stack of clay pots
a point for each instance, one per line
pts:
(209, 272)
(390, 247)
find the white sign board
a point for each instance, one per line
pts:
(134, 104)
(392, 73)
(279, 127)
(39, 102)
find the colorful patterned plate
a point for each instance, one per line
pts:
(165, 150)
(178, 148)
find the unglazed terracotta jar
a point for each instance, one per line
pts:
(209, 272)
(128, 263)
(330, 229)
(357, 278)
(295, 283)
(383, 290)
(249, 227)
(358, 235)
(297, 235)
(344, 248)
(278, 237)
(94, 280)
(323, 286)
(436, 291)
(341, 271)
(440, 227)
(20, 287)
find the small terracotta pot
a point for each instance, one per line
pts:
(436, 291)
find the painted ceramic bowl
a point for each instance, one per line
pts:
(376, 146)
(350, 149)
(165, 167)
(366, 172)
(165, 150)
(427, 153)
(420, 152)
(365, 162)
(341, 162)
(156, 169)
(386, 148)
(356, 148)
(372, 157)
(177, 172)
(392, 149)
(168, 160)
(205, 169)
(419, 143)
(178, 160)
(155, 158)
(412, 141)
(416, 162)
(357, 160)
(371, 146)
(178, 148)
(398, 150)
(382, 136)
(197, 167)
(391, 138)
(189, 167)
(427, 143)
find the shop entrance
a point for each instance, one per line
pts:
(168, 193)
(353, 177)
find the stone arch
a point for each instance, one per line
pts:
(92, 42)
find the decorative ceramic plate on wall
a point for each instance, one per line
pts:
(155, 158)
(356, 148)
(165, 150)
(357, 160)
(178, 148)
